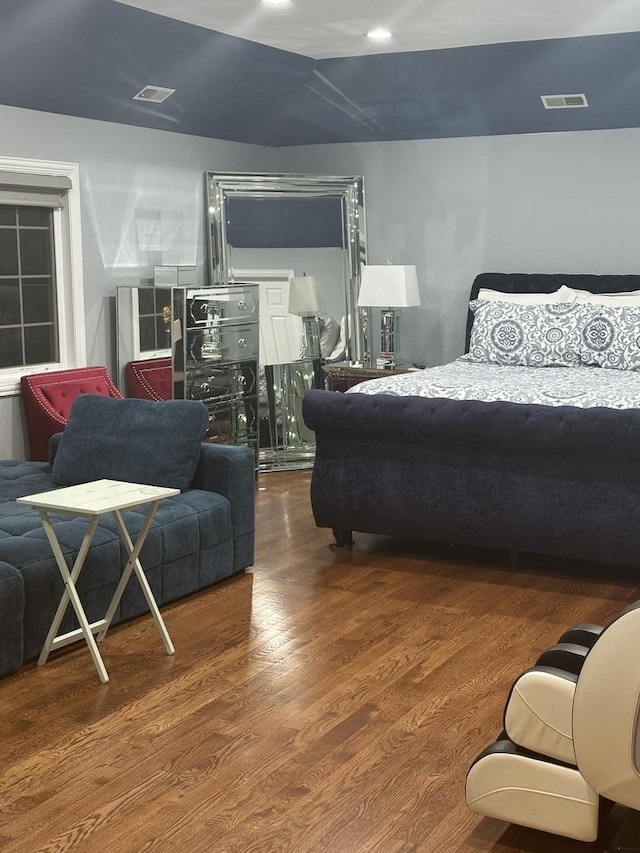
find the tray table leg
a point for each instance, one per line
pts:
(70, 594)
(134, 564)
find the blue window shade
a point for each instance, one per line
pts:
(285, 223)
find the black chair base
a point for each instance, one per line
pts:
(623, 830)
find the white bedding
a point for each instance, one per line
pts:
(585, 387)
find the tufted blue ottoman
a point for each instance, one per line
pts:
(11, 608)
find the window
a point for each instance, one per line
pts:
(41, 304)
(154, 324)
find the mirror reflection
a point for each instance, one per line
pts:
(300, 239)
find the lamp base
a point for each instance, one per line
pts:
(386, 362)
(389, 338)
(311, 336)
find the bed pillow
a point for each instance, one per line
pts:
(622, 299)
(329, 335)
(562, 294)
(138, 441)
(338, 353)
(530, 335)
(611, 337)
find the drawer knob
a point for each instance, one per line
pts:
(242, 343)
(242, 305)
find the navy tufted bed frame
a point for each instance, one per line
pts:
(561, 480)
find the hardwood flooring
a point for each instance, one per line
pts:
(327, 701)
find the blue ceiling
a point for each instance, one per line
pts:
(89, 57)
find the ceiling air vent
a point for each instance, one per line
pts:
(155, 94)
(564, 102)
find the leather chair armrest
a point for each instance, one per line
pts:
(584, 634)
(538, 714)
(566, 656)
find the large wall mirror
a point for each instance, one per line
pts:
(273, 229)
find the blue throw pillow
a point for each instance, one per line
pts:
(138, 441)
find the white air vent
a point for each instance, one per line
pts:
(564, 102)
(155, 94)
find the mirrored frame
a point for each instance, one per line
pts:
(221, 186)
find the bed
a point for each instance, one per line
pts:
(531, 470)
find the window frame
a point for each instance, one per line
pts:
(67, 243)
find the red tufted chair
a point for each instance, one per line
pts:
(151, 379)
(47, 399)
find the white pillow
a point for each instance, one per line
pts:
(562, 294)
(339, 351)
(329, 335)
(623, 299)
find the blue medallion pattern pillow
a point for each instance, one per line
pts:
(611, 337)
(530, 335)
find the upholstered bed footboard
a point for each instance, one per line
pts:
(556, 480)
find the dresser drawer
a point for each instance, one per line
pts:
(225, 382)
(220, 306)
(233, 422)
(239, 342)
(222, 344)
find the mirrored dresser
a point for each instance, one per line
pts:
(214, 343)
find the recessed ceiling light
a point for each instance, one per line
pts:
(379, 34)
(276, 2)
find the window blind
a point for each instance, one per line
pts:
(26, 188)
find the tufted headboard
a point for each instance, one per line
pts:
(547, 283)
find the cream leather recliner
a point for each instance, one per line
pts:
(571, 740)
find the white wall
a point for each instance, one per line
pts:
(142, 204)
(456, 207)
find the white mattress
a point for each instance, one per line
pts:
(585, 387)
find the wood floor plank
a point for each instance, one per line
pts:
(327, 701)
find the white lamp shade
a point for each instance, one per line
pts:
(305, 297)
(389, 286)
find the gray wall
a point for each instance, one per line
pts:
(563, 202)
(454, 207)
(142, 204)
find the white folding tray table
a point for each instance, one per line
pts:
(92, 500)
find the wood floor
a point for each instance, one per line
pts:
(325, 702)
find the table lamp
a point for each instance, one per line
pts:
(306, 300)
(389, 287)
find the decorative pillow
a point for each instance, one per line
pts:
(611, 337)
(329, 334)
(562, 294)
(138, 441)
(339, 353)
(533, 335)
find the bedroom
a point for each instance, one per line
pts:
(538, 201)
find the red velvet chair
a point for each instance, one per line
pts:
(47, 399)
(150, 379)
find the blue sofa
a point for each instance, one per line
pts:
(199, 537)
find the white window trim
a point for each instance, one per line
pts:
(69, 278)
(138, 355)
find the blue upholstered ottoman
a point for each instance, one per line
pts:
(11, 609)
